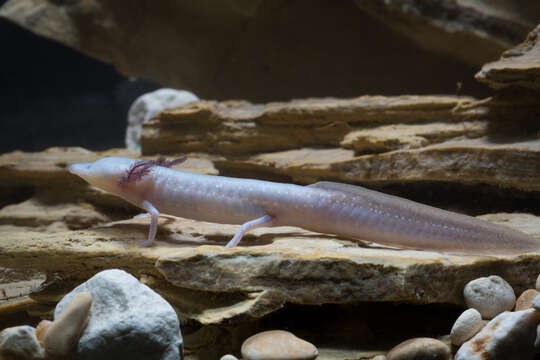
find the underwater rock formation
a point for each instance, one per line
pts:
(455, 152)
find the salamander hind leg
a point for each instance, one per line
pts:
(266, 220)
(154, 214)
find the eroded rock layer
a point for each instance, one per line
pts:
(370, 139)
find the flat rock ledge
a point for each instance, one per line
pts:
(519, 66)
(210, 284)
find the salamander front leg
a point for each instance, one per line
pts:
(266, 220)
(146, 205)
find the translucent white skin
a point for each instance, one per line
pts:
(333, 208)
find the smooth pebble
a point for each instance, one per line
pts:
(228, 357)
(277, 345)
(510, 335)
(525, 300)
(20, 343)
(535, 304)
(41, 331)
(538, 283)
(466, 326)
(418, 349)
(66, 328)
(489, 295)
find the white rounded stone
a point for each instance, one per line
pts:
(538, 283)
(510, 335)
(128, 320)
(277, 345)
(228, 357)
(20, 343)
(489, 295)
(146, 106)
(466, 326)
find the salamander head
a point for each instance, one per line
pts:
(115, 174)
(104, 173)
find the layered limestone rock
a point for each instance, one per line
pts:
(274, 266)
(519, 66)
(243, 128)
(370, 139)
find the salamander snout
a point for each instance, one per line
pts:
(79, 168)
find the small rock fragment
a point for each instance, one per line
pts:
(525, 299)
(41, 331)
(420, 348)
(509, 336)
(379, 357)
(489, 295)
(20, 343)
(466, 326)
(537, 286)
(277, 345)
(66, 328)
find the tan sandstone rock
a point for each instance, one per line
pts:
(189, 263)
(420, 348)
(369, 139)
(466, 326)
(277, 344)
(63, 334)
(525, 300)
(519, 66)
(240, 127)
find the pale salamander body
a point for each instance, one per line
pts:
(326, 207)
